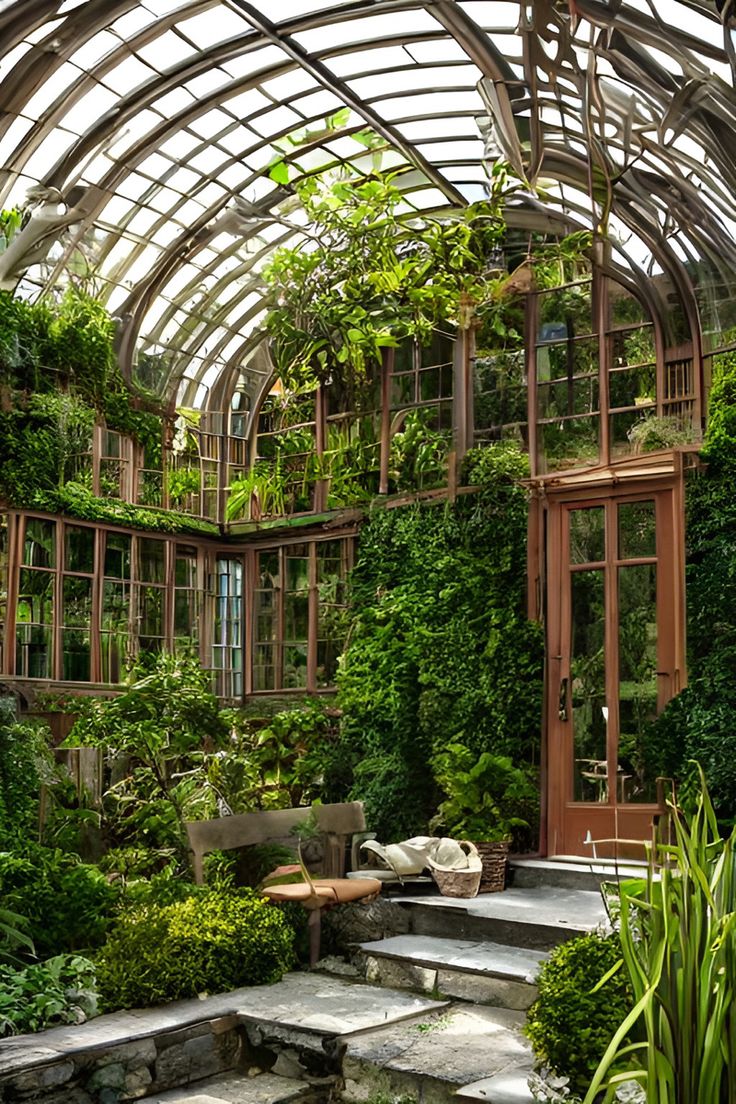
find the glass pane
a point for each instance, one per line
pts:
(588, 689)
(296, 617)
(632, 387)
(117, 556)
(115, 606)
(151, 560)
(295, 666)
(633, 347)
(33, 650)
(636, 530)
(569, 444)
(77, 607)
(185, 574)
(79, 549)
(567, 309)
(151, 611)
(268, 569)
(75, 655)
(186, 609)
(297, 568)
(564, 398)
(562, 361)
(36, 597)
(113, 653)
(637, 676)
(40, 543)
(587, 535)
(263, 668)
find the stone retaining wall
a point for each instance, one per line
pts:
(131, 1070)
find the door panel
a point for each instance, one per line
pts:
(613, 662)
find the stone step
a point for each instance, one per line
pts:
(298, 1028)
(571, 872)
(239, 1088)
(483, 972)
(504, 1088)
(431, 1059)
(537, 917)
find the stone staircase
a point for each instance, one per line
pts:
(432, 1008)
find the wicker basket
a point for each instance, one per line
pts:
(457, 883)
(493, 856)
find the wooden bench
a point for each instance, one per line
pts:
(336, 823)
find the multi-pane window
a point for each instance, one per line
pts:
(187, 598)
(115, 611)
(299, 615)
(76, 603)
(227, 647)
(34, 614)
(150, 592)
(421, 402)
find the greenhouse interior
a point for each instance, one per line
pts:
(367, 461)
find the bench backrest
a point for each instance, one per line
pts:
(337, 823)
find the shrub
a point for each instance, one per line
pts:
(25, 760)
(58, 991)
(68, 904)
(569, 1025)
(212, 942)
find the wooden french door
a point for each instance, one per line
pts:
(615, 638)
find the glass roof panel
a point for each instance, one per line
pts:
(186, 105)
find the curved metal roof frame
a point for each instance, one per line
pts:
(152, 125)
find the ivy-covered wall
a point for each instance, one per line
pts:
(440, 649)
(58, 374)
(700, 723)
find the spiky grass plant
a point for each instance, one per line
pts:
(679, 947)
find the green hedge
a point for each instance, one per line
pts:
(210, 943)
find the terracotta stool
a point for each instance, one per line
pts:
(316, 894)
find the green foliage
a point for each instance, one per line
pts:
(700, 723)
(486, 795)
(40, 441)
(25, 761)
(651, 433)
(418, 458)
(678, 941)
(68, 904)
(572, 1021)
(58, 362)
(372, 278)
(60, 990)
(210, 943)
(77, 501)
(439, 649)
(163, 722)
(14, 937)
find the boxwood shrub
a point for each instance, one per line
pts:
(210, 943)
(569, 1025)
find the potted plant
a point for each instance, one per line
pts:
(486, 794)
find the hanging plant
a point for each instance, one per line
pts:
(366, 276)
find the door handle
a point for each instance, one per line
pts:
(562, 700)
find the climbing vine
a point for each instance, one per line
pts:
(440, 649)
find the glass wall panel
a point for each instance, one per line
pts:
(39, 548)
(588, 689)
(331, 609)
(34, 622)
(187, 599)
(587, 535)
(266, 619)
(227, 650)
(115, 613)
(637, 585)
